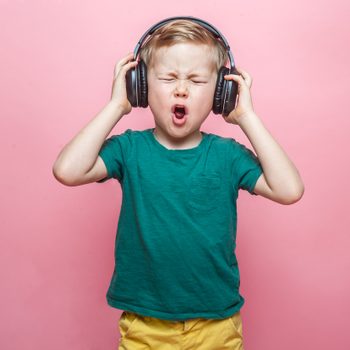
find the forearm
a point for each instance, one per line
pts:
(80, 154)
(280, 173)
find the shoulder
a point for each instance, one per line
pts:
(218, 139)
(129, 140)
(230, 143)
(127, 135)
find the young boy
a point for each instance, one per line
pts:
(176, 275)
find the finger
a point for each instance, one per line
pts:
(235, 77)
(242, 84)
(126, 62)
(241, 70)
(128, 66)
(244, 73)
(242, 81)
(123, 61)
(126, 58)
(247, 78)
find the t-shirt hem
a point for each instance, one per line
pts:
(171, 316)
(255, 176)
(107, 161)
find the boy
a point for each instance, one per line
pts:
(176, 275)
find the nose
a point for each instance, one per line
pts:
(181, 88)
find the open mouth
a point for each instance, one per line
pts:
(179, 110)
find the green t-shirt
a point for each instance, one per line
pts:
(176, 235)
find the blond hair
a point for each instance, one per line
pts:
(181, 31)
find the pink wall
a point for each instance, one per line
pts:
(57, 242)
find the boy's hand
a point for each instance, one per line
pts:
(244, 104)
(119, 94)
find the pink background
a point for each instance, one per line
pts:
(57, 242)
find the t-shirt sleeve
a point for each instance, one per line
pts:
(114, 153)
(246, 167)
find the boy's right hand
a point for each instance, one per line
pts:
(119, 94)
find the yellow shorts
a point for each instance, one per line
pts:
(143, 332)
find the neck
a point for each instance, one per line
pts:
(190, 141)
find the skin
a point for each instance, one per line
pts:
(195, 92)
(280, 181)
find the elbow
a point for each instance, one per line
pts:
(294, 196)
(61, 177)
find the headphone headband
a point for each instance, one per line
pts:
(203, 23)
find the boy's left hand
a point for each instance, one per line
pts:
(244, 101)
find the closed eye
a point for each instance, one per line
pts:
(193, 81)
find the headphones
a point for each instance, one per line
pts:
(225, 91)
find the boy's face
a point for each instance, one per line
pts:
(170, 82)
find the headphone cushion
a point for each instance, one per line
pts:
(143, 89)
(220, 90)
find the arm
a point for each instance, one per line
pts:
(78, 163)
(280, 180)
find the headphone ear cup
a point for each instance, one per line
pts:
(131, 86)
(230, 96)
(219, 90)
(143, 88)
